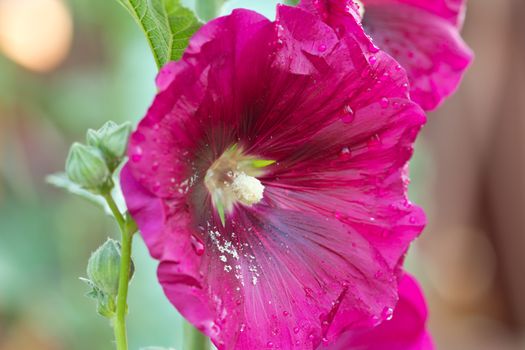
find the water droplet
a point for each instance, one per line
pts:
(296, 330)
(325, 340)
(412, 220)
(138, 137)
(197, 245)
(372, 60)
(384, 102)
(311, 336)
(374, 142)
(215, 328)
(309, 292)
(387, 313)
(156, 186)
(321, 48)
(135, 158)
(345, 153)
(285, 313)
(242, 327)
(155, 166)
(348, 114)
(269, 344)
(373, 48)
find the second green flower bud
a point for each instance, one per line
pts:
(104, 268)
(86, 166)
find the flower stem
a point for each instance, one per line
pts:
(195, 340)
(119, 321)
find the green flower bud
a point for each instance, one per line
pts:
(86, 166)
(112, 140)
(103, 268)
(116, 141)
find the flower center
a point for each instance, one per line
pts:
(247, 189)
(233, 178)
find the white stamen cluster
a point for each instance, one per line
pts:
(247, 189)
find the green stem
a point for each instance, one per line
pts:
(195, 340)
(119, 321)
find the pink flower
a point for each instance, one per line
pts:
(405, 331)
(268, 178)
(422, 35)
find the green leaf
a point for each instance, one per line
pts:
(61, 180)
(166, 24)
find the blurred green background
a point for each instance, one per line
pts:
(94, 65)
(69, 65)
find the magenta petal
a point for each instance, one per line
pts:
(452, 11)
(421, 35)
(320, 254)
(405, 331)
(426, 45)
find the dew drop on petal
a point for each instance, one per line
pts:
(384, 102)
(374, 142)
(348, 114)
(215, 328)
(197, 245)
(311, 336)
(138, 137)
(345, 153)
(156, 186)
(135, 158)
(387, 313)
(309, 293)
(325, 340)
(321, 48)
(372, 47)
(412, 220)
(269, 344)
(285, 313)
(372, 60)
(296, 330)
